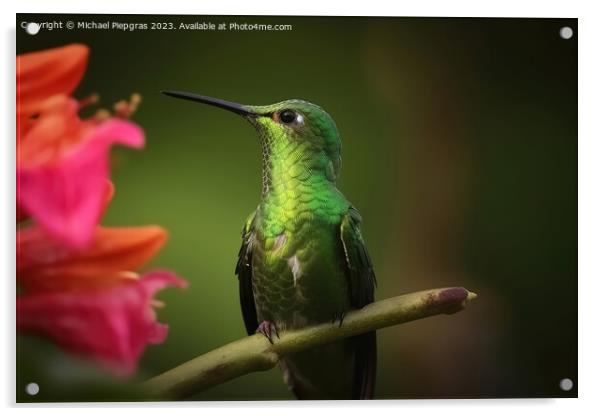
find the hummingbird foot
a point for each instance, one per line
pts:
(268, 329)
(338, 316)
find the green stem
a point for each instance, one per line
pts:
(255, 353)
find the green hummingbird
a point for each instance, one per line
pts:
(303, 260)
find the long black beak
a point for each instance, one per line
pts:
(216, 102)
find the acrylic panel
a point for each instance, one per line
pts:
(406, 190)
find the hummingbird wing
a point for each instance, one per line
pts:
(361, 288)
(244, 270)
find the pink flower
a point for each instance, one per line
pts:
(92, 302)
(62, 160)
(111, 326)
(80, 287)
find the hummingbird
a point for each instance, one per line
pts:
(303, 260)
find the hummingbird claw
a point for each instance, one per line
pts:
(268, 329)
(338, 316)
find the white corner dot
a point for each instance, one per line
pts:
(32, 28)
(566, 32)
(32, 389)
(566, 384)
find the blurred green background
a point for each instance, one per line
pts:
(459, 149)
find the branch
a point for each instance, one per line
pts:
(255, 353)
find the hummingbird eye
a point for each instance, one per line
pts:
(287, 116)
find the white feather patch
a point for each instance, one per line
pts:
(295, 266)
(280, 242)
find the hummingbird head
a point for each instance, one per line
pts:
(295, 134)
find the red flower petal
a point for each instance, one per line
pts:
(110, 326)
(46, 265)
(43, 74)
(66, 194)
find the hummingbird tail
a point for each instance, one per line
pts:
(343, 370)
